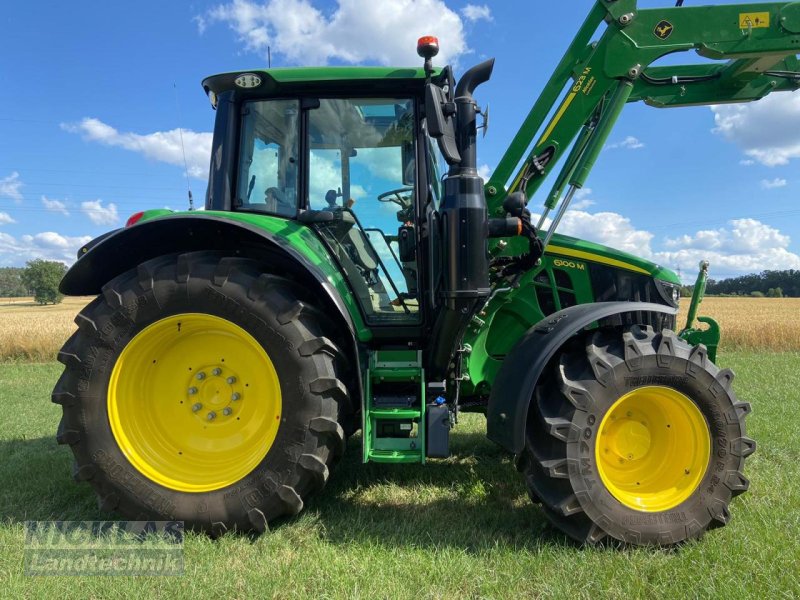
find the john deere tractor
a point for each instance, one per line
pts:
(352, 271)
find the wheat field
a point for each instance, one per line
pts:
(33, 333)
(753, 323)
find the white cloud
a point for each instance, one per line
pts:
(9, 187)
(382, 163)
(163, 146)
(6, 219)
(743, 246)
(475, 12)
(355, 31)
(771, 184)
(629, 143)
(99, 214)
(55, 206)
(763, 129)
(747, 162)
(485, 172)
(581, 200)
(607, 228)
(48, 245)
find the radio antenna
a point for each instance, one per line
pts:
(183, 149)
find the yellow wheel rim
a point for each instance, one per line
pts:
(194, 402)
(653, 449)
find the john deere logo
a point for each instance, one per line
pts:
(663, 30)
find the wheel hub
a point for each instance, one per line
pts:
(213, 392)
(631, 439)
(653, 449)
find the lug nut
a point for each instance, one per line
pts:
(235, 396)
(231, 380)
(200, 376)
(216, 371)
(192, 391)
(211, 416)
(196, 406)
(227, 411)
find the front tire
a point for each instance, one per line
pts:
(637, 437)
(199, 388)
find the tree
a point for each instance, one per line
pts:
(42, 277)
(11, 285)
(775, 293)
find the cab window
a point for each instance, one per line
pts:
(268, 159)
(362, 165)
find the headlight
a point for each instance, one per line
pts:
(670, 292)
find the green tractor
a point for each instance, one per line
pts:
(351, 271)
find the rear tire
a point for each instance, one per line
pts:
(635, 437)
(271, 311)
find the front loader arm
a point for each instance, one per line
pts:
(756, 45)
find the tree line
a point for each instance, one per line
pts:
(771, 284)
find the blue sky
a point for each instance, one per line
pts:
(88, 125)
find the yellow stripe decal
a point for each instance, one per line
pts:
(594, 258)
(547, 133)
(557, 118)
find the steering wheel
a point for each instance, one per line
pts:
(397, 196)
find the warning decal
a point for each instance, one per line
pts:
(753, 20)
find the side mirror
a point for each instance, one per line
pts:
(440, 125)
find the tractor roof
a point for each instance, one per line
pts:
(331, 78)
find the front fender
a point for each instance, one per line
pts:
(513, 387)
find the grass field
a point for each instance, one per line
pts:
(29, 332)
(460, 528)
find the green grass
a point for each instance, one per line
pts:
(452, 529)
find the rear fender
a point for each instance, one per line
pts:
(114, 253)
(513, 387)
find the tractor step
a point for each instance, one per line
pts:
(394, 409)
(395, 413)
(396, 456)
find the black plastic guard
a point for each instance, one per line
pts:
(513, 387)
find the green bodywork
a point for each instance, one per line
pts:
(562, 279)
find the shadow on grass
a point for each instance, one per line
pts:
(36, 483)
(473, 501)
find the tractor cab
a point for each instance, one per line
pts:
(348, 156)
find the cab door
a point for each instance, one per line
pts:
(362, 167)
